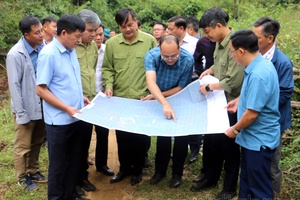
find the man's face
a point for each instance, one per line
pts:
(174, 30)
(89, 33)
(264, 43)
(112, 34)
(50, 28)
(129, 30)
(158, 31)
(236, 55)
(169, 53)
(99, 36)
(213, 34)
(73, 39)
(35, 36)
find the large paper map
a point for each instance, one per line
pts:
(195, 113)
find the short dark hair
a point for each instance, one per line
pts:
(26, 23)
(193, 22)
(168, 39)
(70, 23)
(160, 23)
(123, 15)
(245, 39)
(211, 17)
(48, 19)
(101, 25)
(179, 21)
(269, 26)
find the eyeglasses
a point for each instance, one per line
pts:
(174, 57)
(234, 50)
(158, 29)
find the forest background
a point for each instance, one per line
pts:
(242, 15)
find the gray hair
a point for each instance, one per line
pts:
(89, 17)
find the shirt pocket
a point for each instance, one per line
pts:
(119, 61)
(140, 59)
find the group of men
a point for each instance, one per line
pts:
(59, 79)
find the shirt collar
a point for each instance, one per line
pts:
(29, 48)
(270, 53)
(60, 47)
(138, 38)
(226, 40)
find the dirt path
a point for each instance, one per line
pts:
(105, 190)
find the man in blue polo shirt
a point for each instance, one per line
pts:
(257, 130)
(59, 85)
(169, 69)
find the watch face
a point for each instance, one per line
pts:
(207, 88)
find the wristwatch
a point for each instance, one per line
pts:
(234, 130)
(207, 88)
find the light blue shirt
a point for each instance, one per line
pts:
(168, 77)
(260, 92)
(58, 68)
(32, 52)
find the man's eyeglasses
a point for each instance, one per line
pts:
(158, 29)
(174, 57)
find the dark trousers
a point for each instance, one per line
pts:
(131, 151)
(222, 150)
(195, 142)
(101, 147)
(65, 151)
(163, 152)
(255, 178)
(207, 140)
(86, 140)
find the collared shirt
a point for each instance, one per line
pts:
(168, 77)
(59, 69)
(260, 92)
(87, 57)
(229, 73)
(123, 66)
(33, 53)
(270, 53)
(189, 43)
(99, 79)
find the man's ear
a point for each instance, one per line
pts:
(270, 39)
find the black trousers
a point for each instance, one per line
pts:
(222, 150)
(65, 151)
(132, 149)
(101, 147)
(163, 152)
(195, 142)
(86, 141)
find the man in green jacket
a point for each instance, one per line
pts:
(124, 76)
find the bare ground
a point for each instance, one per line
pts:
(105, 190)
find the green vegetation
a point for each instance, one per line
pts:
(242, 15)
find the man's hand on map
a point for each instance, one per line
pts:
(148, 97)
(168, 111)
(108, 93)
(206, 72)
(72, 111)
(203, 90)
(86, 101)
(232, 105)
